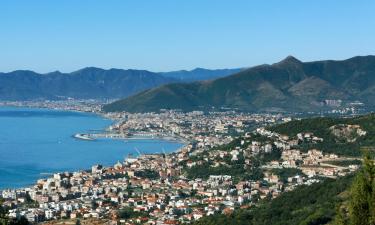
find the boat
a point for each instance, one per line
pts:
(84, 137)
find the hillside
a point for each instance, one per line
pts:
(199, 74)
(315, 204)
(340, 135)
(345, 200)
(288, 85)
(92, 83)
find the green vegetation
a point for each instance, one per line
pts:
(320, 128)
(129, 213)
(4, 220)
(336, 202)
(267, 157)
(237, 171)
(230, 146)
(247, 141)
(287, 172)
(362, 200)
(314, 204)
(345, 163)
(235, 168)
(199, 74)
(288, 85)
(150, 174)
(348, 200)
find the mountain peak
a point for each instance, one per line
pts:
(290, 59)
(88, 69)
(198, 69)
(289, 85)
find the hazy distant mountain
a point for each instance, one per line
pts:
(199, 74)
(91, 83)
(287, 85)
(84, 84)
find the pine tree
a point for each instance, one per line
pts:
(341, 218)
(361, 208)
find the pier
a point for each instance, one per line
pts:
(134, 136)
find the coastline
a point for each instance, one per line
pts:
(103, 115)
(98, 114)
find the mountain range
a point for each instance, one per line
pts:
(287, 85)
(199, 74)
(92, 83)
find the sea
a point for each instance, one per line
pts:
(35, 143)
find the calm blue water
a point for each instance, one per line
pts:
(38, 141)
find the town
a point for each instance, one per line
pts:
(230, 160)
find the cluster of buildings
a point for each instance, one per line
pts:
(312, 162)
(87, 105)
(200, 130)
(167, 197)
(156, 187)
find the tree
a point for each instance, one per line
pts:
(341, 218)
(21, 221)
(3, 218)
(362, 202)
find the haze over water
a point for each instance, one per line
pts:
(34, 142)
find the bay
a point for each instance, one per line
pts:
(37, 142)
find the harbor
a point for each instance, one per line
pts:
(128, 136)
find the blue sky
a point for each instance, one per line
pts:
(164, 35)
